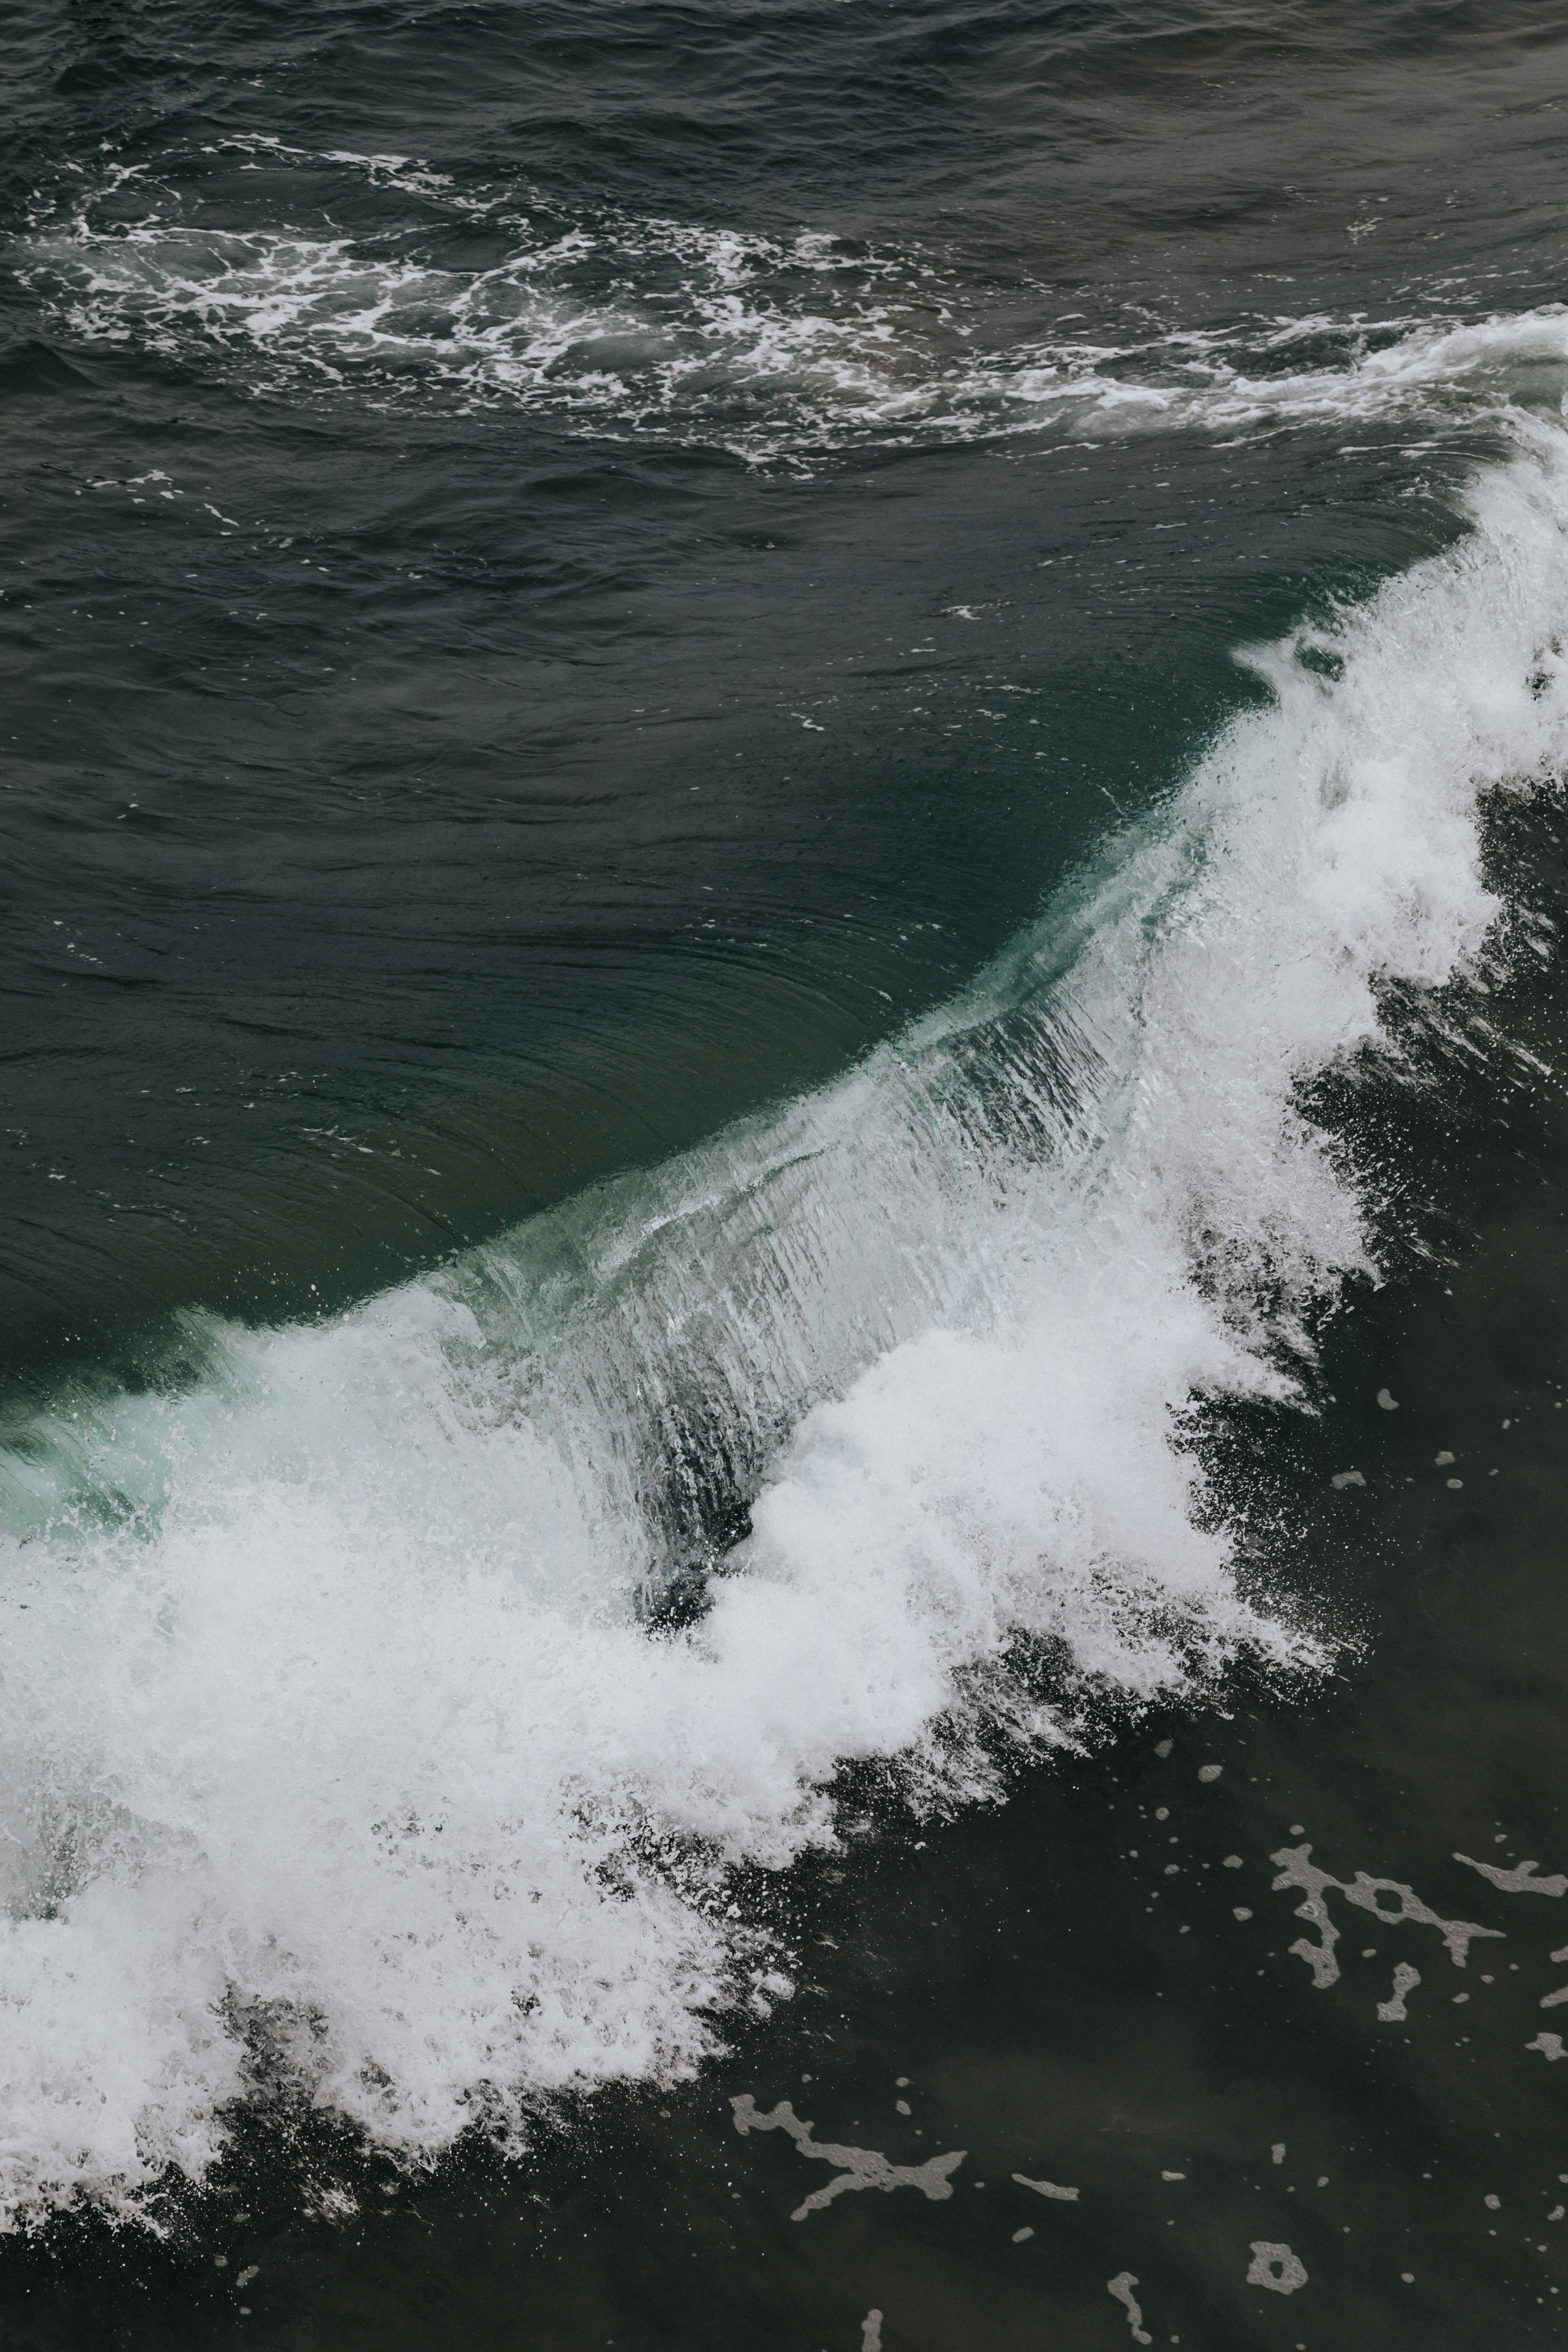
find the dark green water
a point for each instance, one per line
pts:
(783, 794)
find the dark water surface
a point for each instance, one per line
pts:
(784, 832)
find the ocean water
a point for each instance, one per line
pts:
(781, 1325)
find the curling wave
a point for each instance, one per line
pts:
(387, 1705)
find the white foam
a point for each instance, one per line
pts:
(1521, 1880)
(1121, 2287)
(334, 1739)
(771, 347)
(856, 2167)
(1275, 2267)
(650, 325)
(1392, 2011)
(1297, 1869)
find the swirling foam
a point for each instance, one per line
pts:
(774, 348)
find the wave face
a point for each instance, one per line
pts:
(387, 1708)
(661, 331)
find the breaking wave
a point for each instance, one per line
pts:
(389, 1703)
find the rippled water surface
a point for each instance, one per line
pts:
(781, 1320)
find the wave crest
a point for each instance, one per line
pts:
(388, 1706)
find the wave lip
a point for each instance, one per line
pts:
(346, 1742)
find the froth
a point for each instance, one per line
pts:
(385, 1709)
(774, 348)
(685, 331)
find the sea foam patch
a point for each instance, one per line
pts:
(384, 1709)
(776, 347)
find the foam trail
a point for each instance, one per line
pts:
(336, 1743)
(775, 348)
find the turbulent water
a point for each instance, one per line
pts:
(822, 819)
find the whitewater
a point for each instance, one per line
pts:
(620, 325)
(393, 1705)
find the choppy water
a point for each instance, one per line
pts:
(783, 794)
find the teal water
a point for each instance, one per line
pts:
(783, 804)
